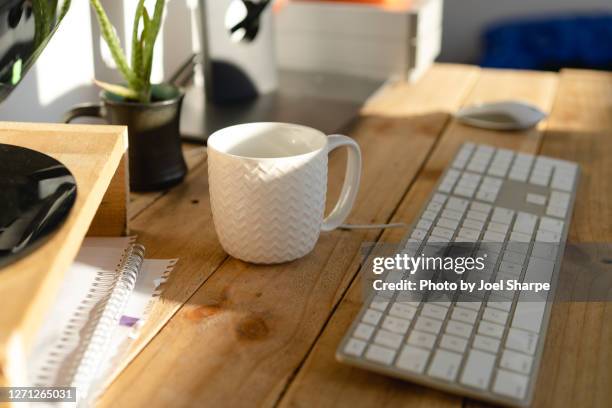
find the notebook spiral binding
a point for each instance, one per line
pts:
(88, 333)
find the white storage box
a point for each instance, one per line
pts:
(395, 39)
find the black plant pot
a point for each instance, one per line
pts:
(155, 155)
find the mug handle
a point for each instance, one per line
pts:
(351, 181)
(85, 109)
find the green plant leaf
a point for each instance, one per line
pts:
(64, 9)
(153, 28)
(108, 32)
(136, 44)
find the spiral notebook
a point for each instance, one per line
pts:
(104, 299)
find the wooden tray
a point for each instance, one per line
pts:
(96, 156)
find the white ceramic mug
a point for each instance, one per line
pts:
(268, 183)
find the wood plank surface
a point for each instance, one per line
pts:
(577, 359)
(239, 339)
(322, 381)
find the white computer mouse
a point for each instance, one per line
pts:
(504, 115)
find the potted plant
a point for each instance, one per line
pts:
(151, 112)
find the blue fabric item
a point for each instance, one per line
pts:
(550, 44)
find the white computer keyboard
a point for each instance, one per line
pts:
(514, 207)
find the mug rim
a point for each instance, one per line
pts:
(217, 134)
(105, 96)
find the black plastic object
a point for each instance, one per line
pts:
(25, 29)
(155, 155)
(36, 195)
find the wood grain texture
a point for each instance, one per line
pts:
(577, 359)
(111, 219)
(322, 381)
(241, 336)
(28, 286)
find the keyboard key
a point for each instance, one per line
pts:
(435, 311)
(495, 316)
(464, 315)
(544, 250)
(492, 236)
(525, 223)
(491, 329)
(428, 325)
(537, 199)
(396, 325)
(380, 354)
(469, 302)
(562, 183)
(514, 257)
(499, 304)
(439, 198)
(559, 198)
(510, 384)
(379, 303)
(547, 236)
(421, 339)
(511, 360)
(447, 223)
(498, 170)
(363, 331)
(445, 233)
(371, 316)
(473, 224)
(486, 196)
(388, 339)
(528, 315)
(539, 178)
(486, 343)
(459, 329)
(556, 211)
(521, 340)
(452, 214)
(457, 204)
(481, 207)
(354, 347)
(394, 276)
(412, 359)
(498, 227)
(510, 268)
(467, 235)
(518, 174)
(402, 310)
(502, 215)
(464, 192)
(478, 369)
(429, 215)
(446, 186)
(552, 225)
(419, 234)
(445, 365)
(539, 270)
(452, 174)
(435, 207)
(476, 215)
(453, 343)
(424, 224)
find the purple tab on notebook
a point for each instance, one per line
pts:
(128, 321)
